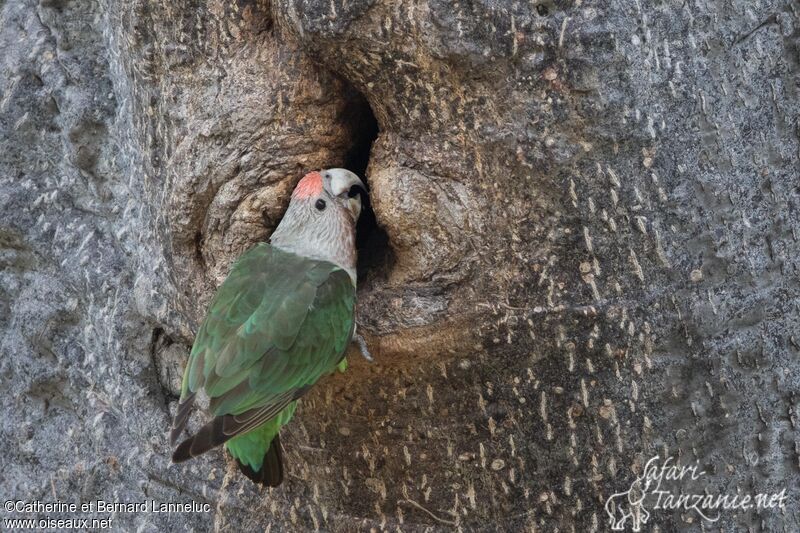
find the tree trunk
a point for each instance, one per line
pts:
(581, 252)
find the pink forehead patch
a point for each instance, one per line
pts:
(309, 186)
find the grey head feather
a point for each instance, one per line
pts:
(322, 226)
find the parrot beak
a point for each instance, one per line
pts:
(354, 205)
(341, 183)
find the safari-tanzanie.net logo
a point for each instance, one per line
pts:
(652, 492)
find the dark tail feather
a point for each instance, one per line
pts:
(181, 417)
(218, 431)
(210, 436)
(271, 473)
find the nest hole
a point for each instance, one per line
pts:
(375, 256)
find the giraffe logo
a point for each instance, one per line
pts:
(629, 505)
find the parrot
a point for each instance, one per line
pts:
(281, 320)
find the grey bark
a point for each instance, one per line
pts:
(586, 254)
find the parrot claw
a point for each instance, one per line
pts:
(362, 345)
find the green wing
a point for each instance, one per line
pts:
(278, 323)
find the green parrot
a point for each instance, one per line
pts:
(281, 320)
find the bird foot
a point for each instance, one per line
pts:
(362, 345)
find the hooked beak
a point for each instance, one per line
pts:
(341, 183)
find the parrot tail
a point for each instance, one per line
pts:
(181, 417)
(225, 427)
(271, 473)
(210, 436)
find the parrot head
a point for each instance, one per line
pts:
(320, 222)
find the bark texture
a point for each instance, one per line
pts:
(584, 251)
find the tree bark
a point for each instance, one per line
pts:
(581, 251)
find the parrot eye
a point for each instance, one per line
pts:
(354, 191)
(320, 205)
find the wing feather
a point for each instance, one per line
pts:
(277, 324)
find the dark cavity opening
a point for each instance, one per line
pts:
(374, 252)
